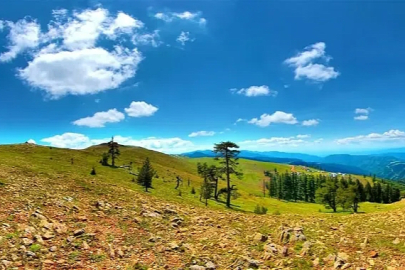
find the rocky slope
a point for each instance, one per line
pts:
(55, 223)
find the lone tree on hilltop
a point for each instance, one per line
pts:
(146, 174)
(227, 154)
(113, 150)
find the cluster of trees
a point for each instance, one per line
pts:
(329, 190)
(227, 155)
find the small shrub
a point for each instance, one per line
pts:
(277, 213)
(193, 190)
(261, 210)
(180, 193)
(35, 247)
(93, 171)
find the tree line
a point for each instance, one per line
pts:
(333, 191)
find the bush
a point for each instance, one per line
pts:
(277, 213)
(93, 171)
(261, 210)
(193, 190)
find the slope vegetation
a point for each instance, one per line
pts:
(55, 215)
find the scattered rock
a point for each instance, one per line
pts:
(197, 267)
(373, 254)
(53, 249)
(396, 241)
(79, 232)
(210, 266)
(342, 256)
(258, 237)
(27, 242)
(48, 235)
(174, 246)
(85, 246)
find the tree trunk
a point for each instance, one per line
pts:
(216, 189)
(228, 182)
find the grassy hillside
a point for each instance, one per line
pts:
(55, 215)
(56, 163)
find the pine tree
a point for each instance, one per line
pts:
(113, 151)
(145, 175)
(228, 156)
(369, 193)
(327, 193)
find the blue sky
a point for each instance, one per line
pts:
(176, 76)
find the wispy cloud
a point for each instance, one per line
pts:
(391, 135)
(202, 133)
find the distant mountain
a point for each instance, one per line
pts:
(199, 154)
(304, 157)
(281, 156)
(384, 165)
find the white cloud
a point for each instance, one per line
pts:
(201, 133)
(186, 15)
(310, 122)
(361, 117)
(140, 109)
(31, 141)
(183, 38)
(391, 135)
(23, 35)
(305, 67)
(165, 145)
(254, 91)
(80, 72)
(69, 140)
(66, 59)
(303, 136)
(99, 119)
(363, 111)
(277, 117)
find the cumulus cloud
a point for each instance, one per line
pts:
(201, 133)
(184, 37)
(186, 15)
(23, 35)
(99, 119)
(310, 122)
(69, 140)
(80, 141)
(305, 66)
(254, 91)
(31, 141)
(80, 72)
(277, 117)
(391, 135)
(66, 58)
(140, 109)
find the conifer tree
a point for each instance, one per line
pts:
(146, 174)
(113, 151)
(227, 153)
